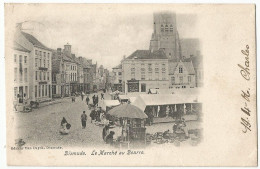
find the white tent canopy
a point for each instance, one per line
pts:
(108, 103)
(163, 99)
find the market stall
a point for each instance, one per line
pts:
(133, 124)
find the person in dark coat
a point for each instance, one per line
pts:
(97, 100)
(94, 100)
(102, 96)
(63, 121)
(87, 100)
(83, 119)
(82, 96)
(105, 132)
(93, 115)
(109, 138)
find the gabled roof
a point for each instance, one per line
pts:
(148, 54)
(188, 66)
(17, 46)
(34, 41)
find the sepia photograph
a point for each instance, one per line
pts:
(117, 80)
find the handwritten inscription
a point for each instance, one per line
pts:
(245, 73)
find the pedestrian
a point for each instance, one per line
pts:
(84, 118)
(105, 132)
(82, 96)
(97, 100)
(109, 138)
(87, 100)
(94, 100)
(92, 115)
(102, 96)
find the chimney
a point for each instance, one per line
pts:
(67, 49)
(59, 51)
(80, 59)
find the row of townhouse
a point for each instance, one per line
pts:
(41, 73)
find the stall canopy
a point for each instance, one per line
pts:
(108, 103)
(123, 97)
(127, 111)
(163, 99)
(132, 99)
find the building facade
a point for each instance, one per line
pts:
(181, 75)
(144, 70)
(36, 69)
(117, 78)
(21, 71)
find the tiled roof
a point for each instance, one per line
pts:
(147, 54)
(188, 66)
(17, 46)
(34, 41)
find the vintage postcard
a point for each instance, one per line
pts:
(131, 84)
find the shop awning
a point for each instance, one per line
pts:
(163, 99)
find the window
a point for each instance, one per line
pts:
(142, 75)
(181, 79)
(42, 90)
(189, 79)
(48, 55)
(36, 52)
(173, 80)
(133, 69)
(20, 59)
(180, 69)
(183, 86)
(40, 73)
(48, 62)
(171, 28)
(44, 63)
(44, 54)
(162, 28)
(39, 90)
(35, 91)
(119, 73)
(36, 62)
(25, 74)
(163, 76)
(156, 69)
(166, 28)
(36, 75)
(40, 63)
(40, 53)
(15, 57)
(48, 76)
(46, 89)
(120, 81)
(156, 75)
(44, 75)
(25, 59)
(150, 77)
(15, 92)
(15, 74)
(132, 75)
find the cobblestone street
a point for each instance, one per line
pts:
(41, 126)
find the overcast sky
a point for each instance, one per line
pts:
(103, 34)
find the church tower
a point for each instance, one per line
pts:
(165, 35)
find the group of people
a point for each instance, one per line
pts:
(108, 136)
(96, 115)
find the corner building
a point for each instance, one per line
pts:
(144, 70)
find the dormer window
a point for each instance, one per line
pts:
(162, 28)
(166, 28)
(180, 69)
(171, 28)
